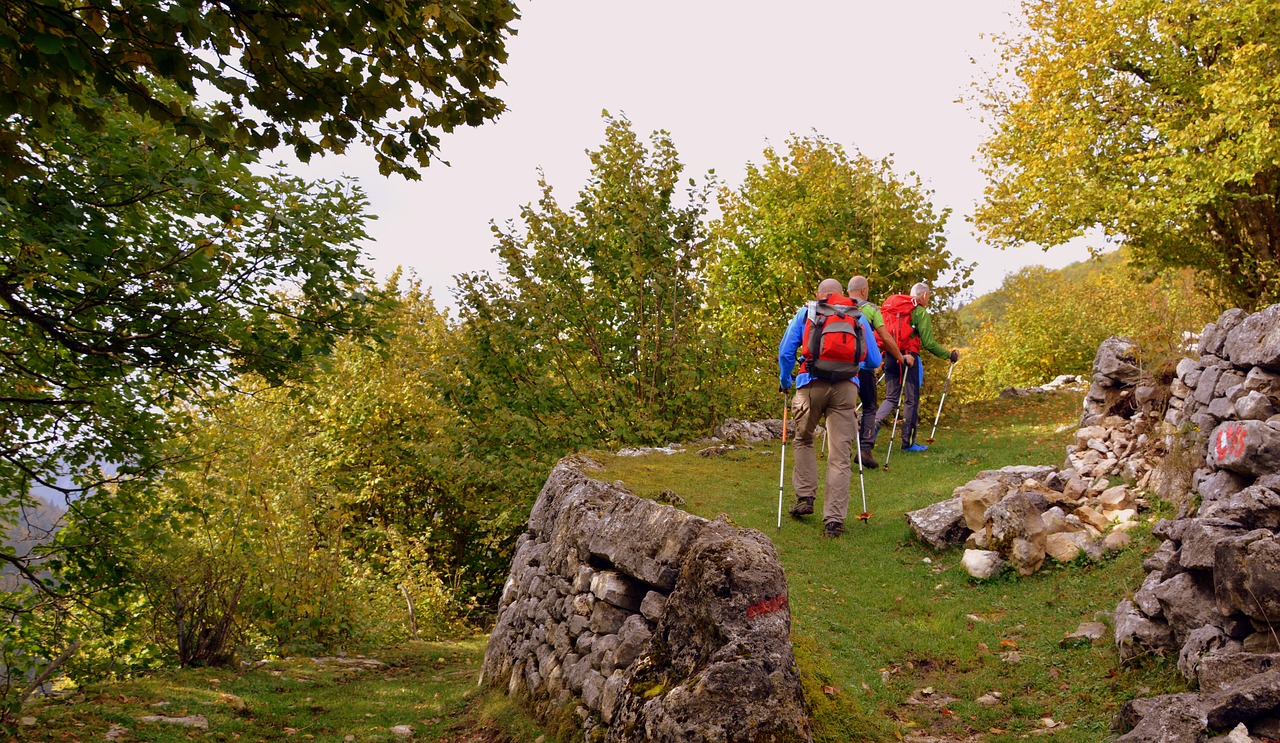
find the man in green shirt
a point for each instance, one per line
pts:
(859, 289)
(903, 383)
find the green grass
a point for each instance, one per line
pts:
(878, 616)
(428, 686)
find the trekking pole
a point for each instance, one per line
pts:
(945, 386)
(782, 464)
(897, 411)
(865, 515)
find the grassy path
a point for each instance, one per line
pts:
(899, 636)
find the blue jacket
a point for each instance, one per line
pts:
(791, 340)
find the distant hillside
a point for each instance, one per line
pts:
(34, 525)
(991, 306)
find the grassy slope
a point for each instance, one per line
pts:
(879, 616)
(876, 618)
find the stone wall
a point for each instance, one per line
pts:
(1212, 590)
(649, 623)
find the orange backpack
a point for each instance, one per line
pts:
(833, 346)
(897, 318)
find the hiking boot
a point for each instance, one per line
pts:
(869, 461)
(803, 507)
(833, 530)
(915, 447)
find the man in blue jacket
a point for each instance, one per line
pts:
(814, 398)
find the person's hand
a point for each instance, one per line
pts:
(955, 356)
(784, 385)
(908, 359)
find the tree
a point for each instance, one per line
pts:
(1050, 322)
(316, 75)
(811, 213)
(592, 332)
(1154, 121)
(298, 517)
(139, 273)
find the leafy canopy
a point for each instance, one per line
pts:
(1158, 122)
(316, 75)
(592, 332)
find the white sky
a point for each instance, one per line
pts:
(726, 79)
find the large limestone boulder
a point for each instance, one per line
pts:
(940, 525)
(1256, 340)
(1246, 575)
(1136, 635)
(1018, 532)
(1247, 447)
(719, 666)
(976, 496)
(1255, 507)
(1172, 718)
(1117, 360)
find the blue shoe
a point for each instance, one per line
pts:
(916, 447)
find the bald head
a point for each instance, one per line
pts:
(859, 287)
(920, 293)
(828, 287)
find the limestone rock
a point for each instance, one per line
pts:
(1252, 698)
(736, 431)
(1117, 360)
(1087, 633)
(1064, 546)
(976, 497)
(1172, 718)
(1018, 532)
(1247, 447)
(1256, 340)
(1201, 642)
(719, 666)
(1254, 406)
(982, 564)
(1246, 574)
(941, 525)
(1137, 635)
(1187, 601)
(1224, 670)
(1199, 540)
(1254, 507)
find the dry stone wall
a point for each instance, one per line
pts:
(650, 623)
(1211, 595)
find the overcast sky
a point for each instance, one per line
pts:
(725, 79)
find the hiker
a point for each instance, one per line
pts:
(908, 322)
(826, 385)
(859, 289)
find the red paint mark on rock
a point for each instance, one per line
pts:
(767, 606)
(1230, 443)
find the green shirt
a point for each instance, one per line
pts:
(924, 328)
(872, 313)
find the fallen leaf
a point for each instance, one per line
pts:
(1007, 643)
(830, 691)
(1054, 673)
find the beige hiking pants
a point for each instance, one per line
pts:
(838, 401)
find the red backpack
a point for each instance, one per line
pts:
(833, 346)
(896, 311)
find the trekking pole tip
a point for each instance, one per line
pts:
(864, 517)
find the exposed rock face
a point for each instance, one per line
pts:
(661, 624)
(1212, 591)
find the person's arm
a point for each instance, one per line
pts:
(924, 328)
(787, 349)
(873, 351)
